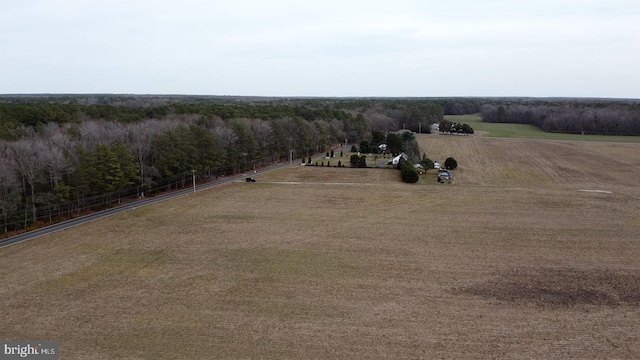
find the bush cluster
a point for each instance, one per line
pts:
(408, 172)
(446, 126)
(358, 161)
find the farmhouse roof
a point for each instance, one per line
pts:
(396, 159)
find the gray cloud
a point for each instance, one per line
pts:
(329, 48)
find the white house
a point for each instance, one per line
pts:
(396, 159)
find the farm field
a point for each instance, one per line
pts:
(533, 252)
(524, 131)
(538, 163)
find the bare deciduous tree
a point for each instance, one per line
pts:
(9, 187)
(261, 130)
(28, 159)
(100, 132)
(55, 140)
(139, 138)
(226, 136)
(381, 122)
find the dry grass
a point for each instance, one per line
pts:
(316, 262)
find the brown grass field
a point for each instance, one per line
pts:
(533, 252)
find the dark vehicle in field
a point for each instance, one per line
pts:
(445, 176)
(250, 179)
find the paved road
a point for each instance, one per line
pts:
(139, 203)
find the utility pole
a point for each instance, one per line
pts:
(193, 175)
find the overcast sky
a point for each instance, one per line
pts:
(574, 48)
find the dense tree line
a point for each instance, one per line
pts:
(61, 157)
(616, 119)
(409, 114)
(461, 106)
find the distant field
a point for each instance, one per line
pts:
(533, 252)
(529, 131)
(518, 162)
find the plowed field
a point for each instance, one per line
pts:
(506, 162)
(533, 252)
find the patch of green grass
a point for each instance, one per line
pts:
(522, 131)
(290, 264)
(373, 160)
(274, 272)
(113, 263)
(92, 248)
(511, 173)
(231, 217)
(428, 178)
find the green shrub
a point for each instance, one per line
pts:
(365, 147)
(427, 163)
(363, 162)
(450, 163)
(408, 173)
(354, 160)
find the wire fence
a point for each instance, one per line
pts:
(28, 218)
